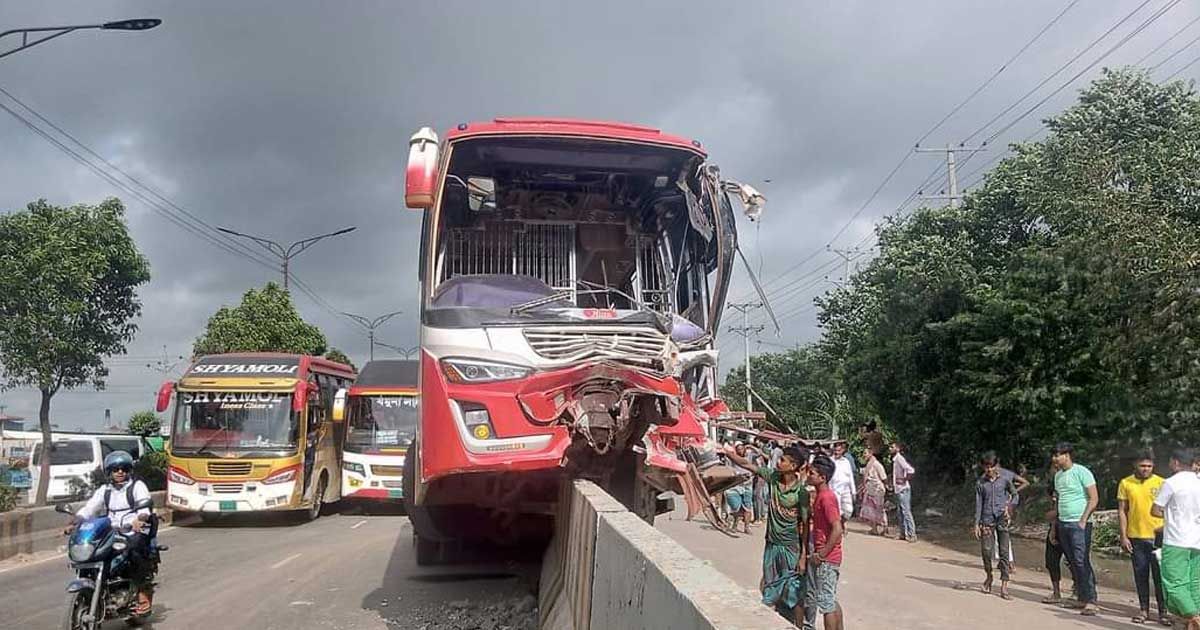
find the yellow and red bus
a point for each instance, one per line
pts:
(255, 432)
(381, 410)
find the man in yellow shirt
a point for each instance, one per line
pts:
(1141, 532)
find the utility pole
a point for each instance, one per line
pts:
(371, 325)
(286, 254)
(847, 255)
(951, 170)
(166, 364)
(745, 330)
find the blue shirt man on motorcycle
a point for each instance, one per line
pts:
(116, 500)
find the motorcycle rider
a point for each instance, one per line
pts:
(115, 500)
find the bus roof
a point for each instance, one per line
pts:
(264, 364)
(573, 127)
(387, 374)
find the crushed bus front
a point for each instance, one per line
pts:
(573, 279)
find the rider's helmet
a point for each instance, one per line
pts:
(117, 459)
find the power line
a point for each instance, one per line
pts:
(167, 214)
(1175, 54)
(1166, 41)
(998, 72)
(1154, 17)
(1050, 78)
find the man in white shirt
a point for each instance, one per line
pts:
(842, 483)
(1178, 502)
(902, 473)
(117, 500)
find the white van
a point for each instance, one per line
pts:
(75, 456)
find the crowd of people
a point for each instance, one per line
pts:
(805, 495)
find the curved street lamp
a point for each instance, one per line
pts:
(139, 24)
(285, 254)
(371, 325)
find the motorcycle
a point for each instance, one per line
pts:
(100, 590)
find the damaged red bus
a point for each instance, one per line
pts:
(573, 276)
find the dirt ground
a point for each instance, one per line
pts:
(892, 584)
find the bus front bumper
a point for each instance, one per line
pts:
(231, 496)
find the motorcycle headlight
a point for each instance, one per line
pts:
(81, 552)
(476, 371)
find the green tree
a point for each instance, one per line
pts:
(1060, 302)
(68, 280)
(265, 321)
(144, 423)
(337, 355)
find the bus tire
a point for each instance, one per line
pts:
(419, 516)
(631, 489)
(318, 498)
(429, 552)
(209, 518)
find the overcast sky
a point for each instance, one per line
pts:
(294, 121)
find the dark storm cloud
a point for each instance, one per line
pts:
(293, 119)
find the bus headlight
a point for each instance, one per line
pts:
(354, 467)
(476, 371)
(174, 475)
(282, 476)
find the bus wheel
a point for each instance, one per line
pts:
(208, 518)
(318, 498)
(429, 552)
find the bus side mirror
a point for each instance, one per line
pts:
(339, 405)
(420, 180)
(164, 396)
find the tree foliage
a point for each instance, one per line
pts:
(802, 388)
(68, 280)
(265, 321)
(337, 355)
(144, 423)
(1060, 302)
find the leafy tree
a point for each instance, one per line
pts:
(67, 299)
(265, 321)
(1060, 302)
(144, 423)
(337, 355)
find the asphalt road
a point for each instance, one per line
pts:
(344, 571)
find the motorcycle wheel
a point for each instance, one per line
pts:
(78, 605)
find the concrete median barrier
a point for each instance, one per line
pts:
(26, 531)
(606, 568)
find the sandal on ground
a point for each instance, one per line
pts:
(986, 588)
(1005, 595)
(1050, 599)
(1089, 611)
(1164, 620)
(1138, 619)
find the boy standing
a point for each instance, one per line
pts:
(826, 558)
(993, 517)
(1141, 532)
(784, 555)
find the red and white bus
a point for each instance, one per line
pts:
(381, 411)
(573, 276)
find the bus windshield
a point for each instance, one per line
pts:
(215, 423)
(382, 422)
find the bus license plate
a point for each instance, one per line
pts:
(228, 506)
(395, 494)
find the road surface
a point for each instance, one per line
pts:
(342, 572)
(891, 584)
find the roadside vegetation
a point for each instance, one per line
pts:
(1059, 302)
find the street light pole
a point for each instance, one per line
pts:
(407, 352)
(371, 325)
(141, 24)
(285, 255)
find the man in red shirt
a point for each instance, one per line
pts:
(826, 557)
